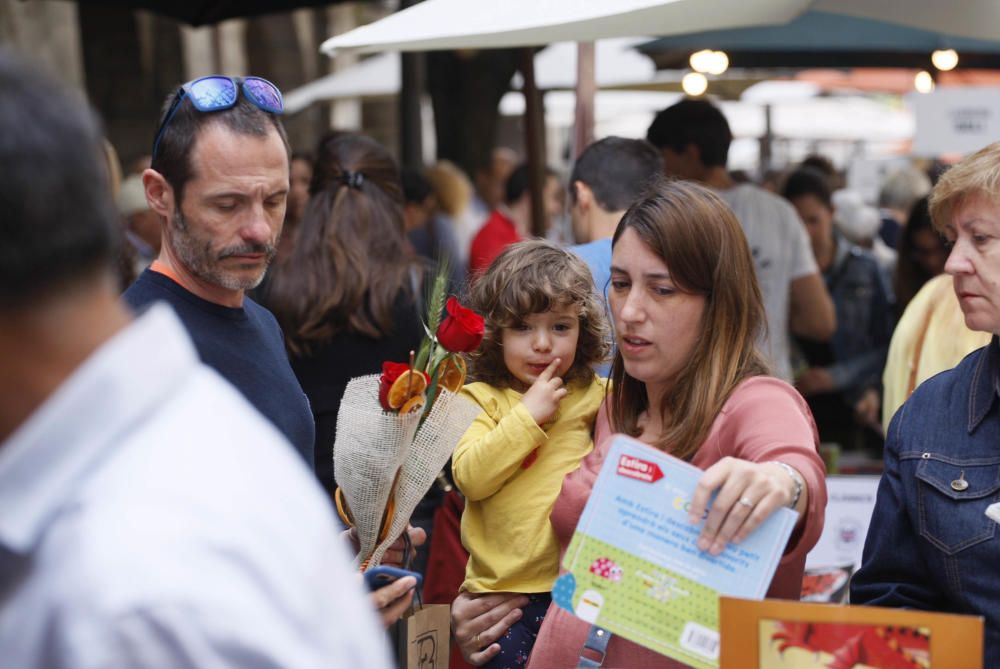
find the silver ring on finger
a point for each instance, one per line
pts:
(745, 501)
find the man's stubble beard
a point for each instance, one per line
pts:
(201, 260)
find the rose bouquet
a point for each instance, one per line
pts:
(395, 432)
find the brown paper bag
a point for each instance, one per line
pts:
(421, 638)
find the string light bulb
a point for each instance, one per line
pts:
(707, 61)
(945, 59)
(923, 82)
(694, 84)
(719, 64)
(701, 60)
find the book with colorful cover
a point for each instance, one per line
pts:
(781, 634)
(633, 565)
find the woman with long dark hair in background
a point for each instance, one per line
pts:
(347, 297)
(922, 254)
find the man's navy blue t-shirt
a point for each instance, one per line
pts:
(245, 346)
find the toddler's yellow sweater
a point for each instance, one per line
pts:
(506, 526)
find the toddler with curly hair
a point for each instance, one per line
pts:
(545, 329)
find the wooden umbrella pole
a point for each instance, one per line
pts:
(534, 141)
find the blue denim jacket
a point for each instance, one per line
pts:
(863, 299)
(929, 545)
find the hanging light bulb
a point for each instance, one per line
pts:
(945, 59)
(923, 82)
(707, 61)
(719, 63)
(694, 84)
(701, 61)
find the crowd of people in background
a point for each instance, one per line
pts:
(793, 319)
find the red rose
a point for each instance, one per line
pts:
(461, 330)
(390, 372)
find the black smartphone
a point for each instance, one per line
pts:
(383, 575)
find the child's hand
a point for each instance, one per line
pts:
(543, 397)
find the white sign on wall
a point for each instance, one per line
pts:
(955, 120)
(850, 500)
(866, 175)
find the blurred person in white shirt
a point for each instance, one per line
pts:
(128, 538)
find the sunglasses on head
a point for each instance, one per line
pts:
(217, 93)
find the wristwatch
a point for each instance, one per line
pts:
(796, 479)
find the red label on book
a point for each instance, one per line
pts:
(642, 470)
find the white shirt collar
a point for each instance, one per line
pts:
(79, 425)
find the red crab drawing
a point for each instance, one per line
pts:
(872, 645)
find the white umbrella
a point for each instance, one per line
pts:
(377, 76)
(618, 65)
(482, 24)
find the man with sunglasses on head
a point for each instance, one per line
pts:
(219, 182)
(128, 536)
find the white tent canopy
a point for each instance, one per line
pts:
(794, 115)
(482, 24)
(380, 75)
(373, 77)
(617, 65)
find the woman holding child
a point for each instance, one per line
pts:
(687, 379)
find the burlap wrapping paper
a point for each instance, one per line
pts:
(372, 445)
(433, 444)
(368, 450)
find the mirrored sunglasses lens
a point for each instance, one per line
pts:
(212, 93)
(264, 94)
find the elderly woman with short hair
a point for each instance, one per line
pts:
(930, 545)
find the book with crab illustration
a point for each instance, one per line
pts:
(775, 634)
(633, 566)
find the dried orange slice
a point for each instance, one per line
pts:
(390, 510)
(451, 373)
(415, 403)
(410, 383)
(342, 509)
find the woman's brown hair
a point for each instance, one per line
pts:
(702, 244)
(529, 278)
(349, 263)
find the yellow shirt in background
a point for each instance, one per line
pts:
(935, 315)
(506, 526)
